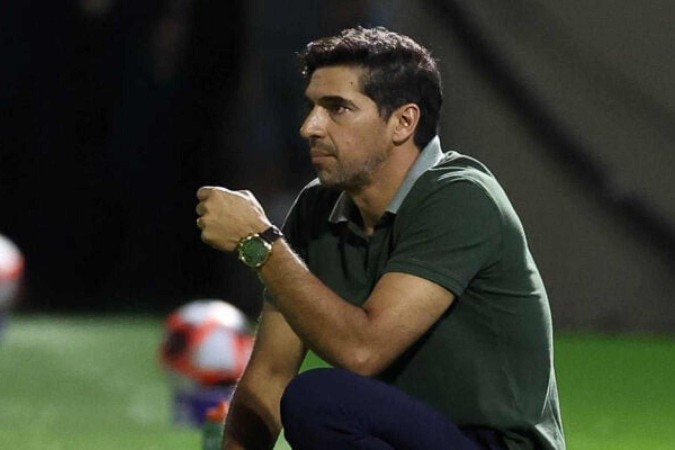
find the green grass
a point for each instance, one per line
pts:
(85, 384)
(95, 383)
(617, 392)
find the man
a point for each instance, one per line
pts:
(405, 268)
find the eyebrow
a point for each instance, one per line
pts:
(329, 100)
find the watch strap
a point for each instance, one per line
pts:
(272, 234)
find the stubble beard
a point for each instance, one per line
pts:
(354, 177)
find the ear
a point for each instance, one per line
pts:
(405, 120)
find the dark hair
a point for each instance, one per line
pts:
(398, 70)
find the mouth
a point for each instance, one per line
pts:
(318, 156)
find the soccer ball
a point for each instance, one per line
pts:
(11, 273)
(207, 341)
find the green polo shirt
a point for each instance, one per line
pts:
(488, 361)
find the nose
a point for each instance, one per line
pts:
(313, 126)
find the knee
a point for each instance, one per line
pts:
(314, 409)
(310, 396)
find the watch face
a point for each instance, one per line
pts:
(254, 251)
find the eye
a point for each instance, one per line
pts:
(338, 109)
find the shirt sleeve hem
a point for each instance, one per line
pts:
(449, 282)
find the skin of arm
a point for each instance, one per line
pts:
(254, 420)
(363, 339)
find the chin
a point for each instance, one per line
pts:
(352, 184)
(327, 182)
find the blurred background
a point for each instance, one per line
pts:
(113, 113)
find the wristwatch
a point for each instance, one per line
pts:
(254, 250)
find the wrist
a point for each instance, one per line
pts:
(255, 249)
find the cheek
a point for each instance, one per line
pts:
(366, 139)
(357, 140)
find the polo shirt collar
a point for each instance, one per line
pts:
(430, 155)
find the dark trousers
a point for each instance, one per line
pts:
(327, 409)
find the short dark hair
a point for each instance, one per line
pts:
(398, 70)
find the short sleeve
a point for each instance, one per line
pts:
(448, 236)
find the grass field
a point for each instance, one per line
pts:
(94, 383)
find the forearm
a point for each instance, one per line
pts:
(365, 339)
(252, 423)
(337, 330)
(308, 306)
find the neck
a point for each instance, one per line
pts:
(373, 199)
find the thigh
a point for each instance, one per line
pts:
(365, 409)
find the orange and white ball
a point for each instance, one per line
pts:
(207, 341)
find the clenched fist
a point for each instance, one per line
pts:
(225, 216)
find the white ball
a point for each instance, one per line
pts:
(11, 272)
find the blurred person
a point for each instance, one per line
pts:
(404, 267)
